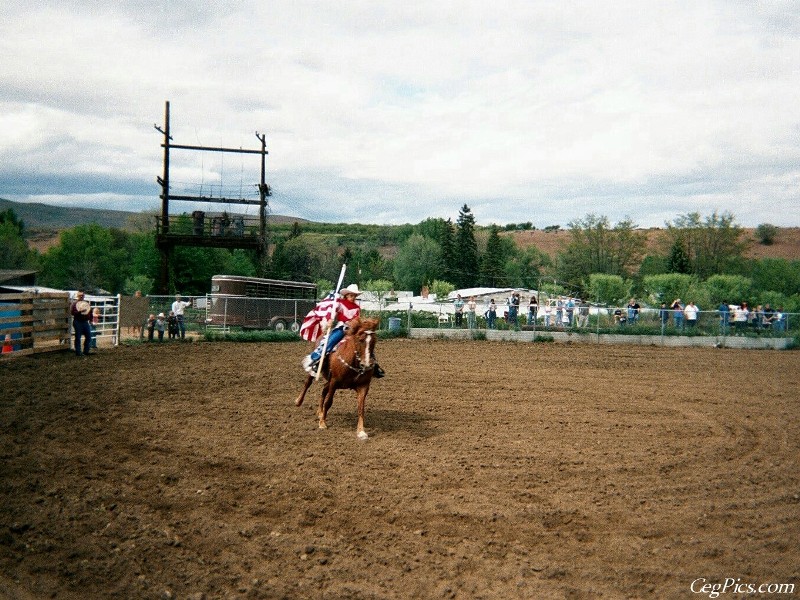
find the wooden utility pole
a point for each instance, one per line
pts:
(217, 235)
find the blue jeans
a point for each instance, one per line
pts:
(334, 338)
(181, 326)
(84, 330)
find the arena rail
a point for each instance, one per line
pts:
(33, 322)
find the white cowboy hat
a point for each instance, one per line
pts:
(83, 307)
(161, 315)
(351, 289)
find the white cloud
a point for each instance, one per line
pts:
(528, 110)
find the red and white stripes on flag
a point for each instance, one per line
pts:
(311, 328)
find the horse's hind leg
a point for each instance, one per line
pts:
(302, 396)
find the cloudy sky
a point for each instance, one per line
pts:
(392, 112)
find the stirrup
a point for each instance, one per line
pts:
(377, 373)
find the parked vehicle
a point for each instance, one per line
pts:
(256, 303)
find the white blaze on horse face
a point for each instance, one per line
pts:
(366, 349)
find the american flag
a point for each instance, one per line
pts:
(311, 328)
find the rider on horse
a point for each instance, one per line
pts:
(346, 311)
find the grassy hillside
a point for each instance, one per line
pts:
(38, 216)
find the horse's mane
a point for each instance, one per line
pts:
(358, 324)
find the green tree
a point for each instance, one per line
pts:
(87, 257)
(713, 245)
(466, 250)
(678, 261)
(493, 260)
(777, 275)
(380, 287)
(669, 286)
(417, 262)
(731, 289)
(192, 268)
(524, 268)
(608, 289)
(441, 289)
(9, 216)
(14, 251)
(766, 234)
(596, 247)
(447, 242)
(140, 283)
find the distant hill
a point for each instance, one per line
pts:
(786, 245)
(45, 216)
(37, 216)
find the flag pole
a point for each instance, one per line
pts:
(332, 321)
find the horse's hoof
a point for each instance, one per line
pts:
(298, 402)
(362, 435)
(323, 425)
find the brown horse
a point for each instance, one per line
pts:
(349, 367)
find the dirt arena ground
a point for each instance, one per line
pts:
(493, 470)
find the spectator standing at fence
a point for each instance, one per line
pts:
(472, 306)
(677, 313)
(172, 325)
(533, 309)
(569, 308)
(458, 305)
(93, 325)
(663, 314)
(779, 320)
(178, 307)
(548, 310)
(559, 310)
(583, 313)
(491, 314)
(160, 325)
(724, 316)
(151, 327)
(7, 345)
(81, 312)
(690, 312)
(769, 316)
(513, 309)
(633, 311)
(740, 317)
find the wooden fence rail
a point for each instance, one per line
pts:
(33, 322)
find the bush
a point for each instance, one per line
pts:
(251, 336)
(766, 234)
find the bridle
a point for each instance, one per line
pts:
(363, 365)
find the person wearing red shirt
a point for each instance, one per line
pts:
(346, 311)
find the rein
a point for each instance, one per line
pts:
(361, 368)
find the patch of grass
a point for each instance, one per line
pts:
(251, 336)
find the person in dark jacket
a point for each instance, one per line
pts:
(81, 312)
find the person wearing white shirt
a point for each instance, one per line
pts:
(690, 312)
(178, 307)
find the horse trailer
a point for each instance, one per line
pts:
(255, 303)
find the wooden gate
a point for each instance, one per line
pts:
(32, 322)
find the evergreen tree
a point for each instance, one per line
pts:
(446, 239)
(466, 250)
(492, 272)
(678, 262)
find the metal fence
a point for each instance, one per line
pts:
(595, 319)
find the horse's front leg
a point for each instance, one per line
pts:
(302, 396)
(362, 404)
(325, 402)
